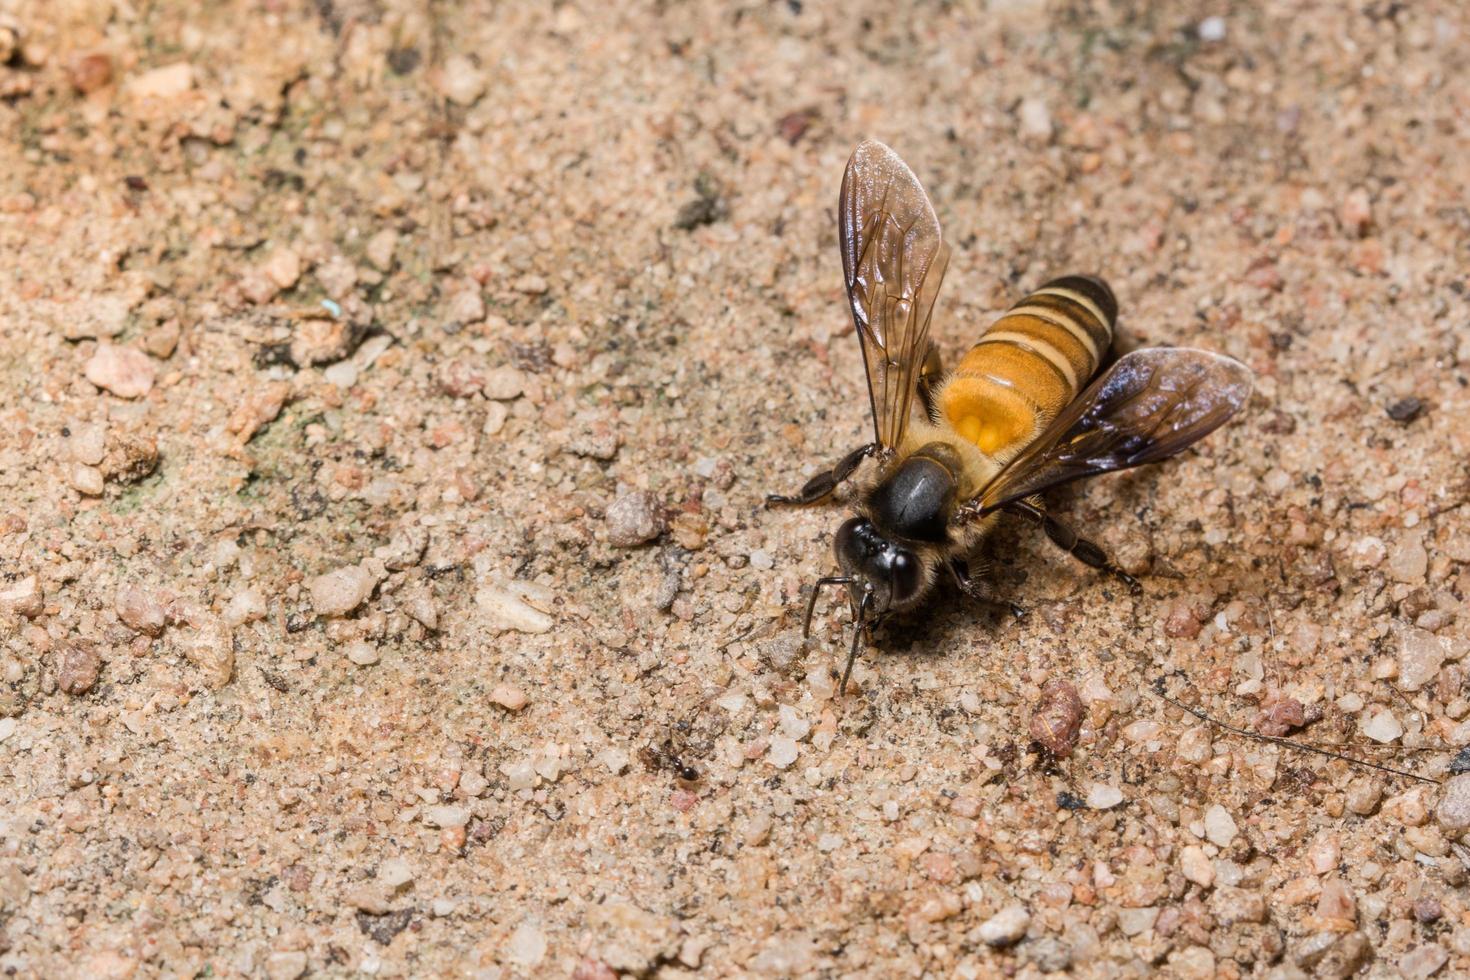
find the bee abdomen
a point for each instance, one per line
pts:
(1030, 363)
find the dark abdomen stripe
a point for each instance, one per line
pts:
(1030, 363)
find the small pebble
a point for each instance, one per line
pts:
(1196, 866)
(1006, 927)
(1137, 921)
(1421, 655)
(362, 653)
(245, 606)
(23, 598)
(793, 724)
(446, 816)
(1453, 812)
(1336, 901)
(1104, 797)
(340, 591)
(1381, 725)
(782, 751)
(1056, 721)
(88, 443)
(1423, 961)
(1356, 212)
(1428, 910)
(124, 371)
(77, 668)
(380, 248)
(462, 81)
(503, 384)
(86, 480)
(286, 966)
(465, 307)
(1035, 119)
(1363, 794)
(1212, 30)
(1406, 410)
(89, 72)
(1220, 827)
(165, 82)
(1367, 552)
(1409, 562)
(395, 873)
(282, 267)
(139, 611)
(633, 519)
(509, 697)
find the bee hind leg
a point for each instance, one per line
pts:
(976, 590)
(930, 376)
(1068, 540)
(821, 486)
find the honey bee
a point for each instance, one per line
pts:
(1016, 417)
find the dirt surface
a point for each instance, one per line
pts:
(389, 393)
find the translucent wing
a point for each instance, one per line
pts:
(893, 261)
(1149, 406)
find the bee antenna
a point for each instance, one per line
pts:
(857, 635)
(811, 603)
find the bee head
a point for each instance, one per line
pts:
(882, 576)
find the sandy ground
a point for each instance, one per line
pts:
(390, 389)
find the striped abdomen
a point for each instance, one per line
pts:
(1030, 364)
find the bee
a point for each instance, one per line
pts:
(1021, 412)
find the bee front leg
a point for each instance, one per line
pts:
(960, 570)
(1068, 540)
(820, 487)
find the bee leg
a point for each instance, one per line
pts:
(1067, 539)
(820, 487)
(960, 570)
(929, 377)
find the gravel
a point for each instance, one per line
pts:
(412, 300)
(634, 519)
(1006, 927)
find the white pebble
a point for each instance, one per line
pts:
(528, 944)
(1382, 725)
(340, 591)
(520, 774)
(124, 371)
(760, 558)
(343, 374)
(245, 606)
(86, 480)
(1212, 30)
(165, 82)
(395, 873)
(1103, 796)
(782, 751)
(1035, 119)
(362, 653)
(88, 443)
(509, 697)
(1006, 927)
(1196, 866)
(446, 816)
(793, 724)
(1220, 827)
(462, 81)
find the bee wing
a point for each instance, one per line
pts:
(893, 261)
(1150, 405)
